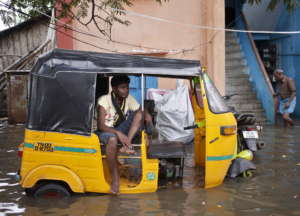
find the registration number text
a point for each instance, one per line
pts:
(45, 147)
(250, 134)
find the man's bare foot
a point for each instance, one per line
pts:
(123, 149)
(130, 151)
(127, 150)
(114, 188)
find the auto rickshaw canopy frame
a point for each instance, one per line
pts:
(63, 85)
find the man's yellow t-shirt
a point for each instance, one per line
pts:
(110, 112)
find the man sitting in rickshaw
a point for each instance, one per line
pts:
(119, 119)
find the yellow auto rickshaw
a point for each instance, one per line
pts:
(62, 153)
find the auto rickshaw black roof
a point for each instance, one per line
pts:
(63, 82)
(60, 60)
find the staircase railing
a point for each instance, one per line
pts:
(261, 65)
(2, 81)
(258, 75)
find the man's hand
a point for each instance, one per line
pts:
(127, 146)
(286, 105)
(123, 139)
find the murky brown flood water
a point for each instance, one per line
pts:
(274, 190)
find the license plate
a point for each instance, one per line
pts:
(45, 147)
(250, 134)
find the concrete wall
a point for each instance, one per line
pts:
(208, 46)
(213, 55)
(256, 16)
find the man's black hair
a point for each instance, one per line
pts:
(119, 79)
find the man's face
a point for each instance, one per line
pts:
(278, 76)
(122, 90)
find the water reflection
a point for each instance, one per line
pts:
(274, 189)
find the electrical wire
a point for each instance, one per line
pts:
(97, 36)
(159, 19)
(69, 27)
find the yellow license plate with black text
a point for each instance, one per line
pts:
(45, 147)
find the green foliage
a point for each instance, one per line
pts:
(7, 17)
(290, 5)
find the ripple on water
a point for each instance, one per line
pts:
(10, 208)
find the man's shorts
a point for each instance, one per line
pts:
(290, 109)
(124, 127)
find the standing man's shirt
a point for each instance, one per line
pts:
(111, 114)
(285, 88)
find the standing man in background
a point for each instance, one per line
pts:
(285, 97)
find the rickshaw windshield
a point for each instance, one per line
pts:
(215, 100)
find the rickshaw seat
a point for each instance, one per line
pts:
(166, 149)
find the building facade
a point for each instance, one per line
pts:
(179, 36)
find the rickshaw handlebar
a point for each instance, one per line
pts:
(228, 97)
(190, 127)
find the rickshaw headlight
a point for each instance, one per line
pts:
(228, 130)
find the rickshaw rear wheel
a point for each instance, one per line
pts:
(51, 190)
(29, 192)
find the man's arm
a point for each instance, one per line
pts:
(102, 127)
(136, 124)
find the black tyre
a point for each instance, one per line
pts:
(261, 145)
(51, 190)
(29, 191)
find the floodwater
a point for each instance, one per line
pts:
(273, 190)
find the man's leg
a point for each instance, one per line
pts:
(288, 121)
(285, 123)
(135, 125)
(111, 154)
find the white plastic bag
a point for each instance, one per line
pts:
(174, 112)
(156, 94)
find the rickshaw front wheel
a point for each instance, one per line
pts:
(50, 190)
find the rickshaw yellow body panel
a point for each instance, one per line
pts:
(53, 172)
(219, 148)
(77, 161)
